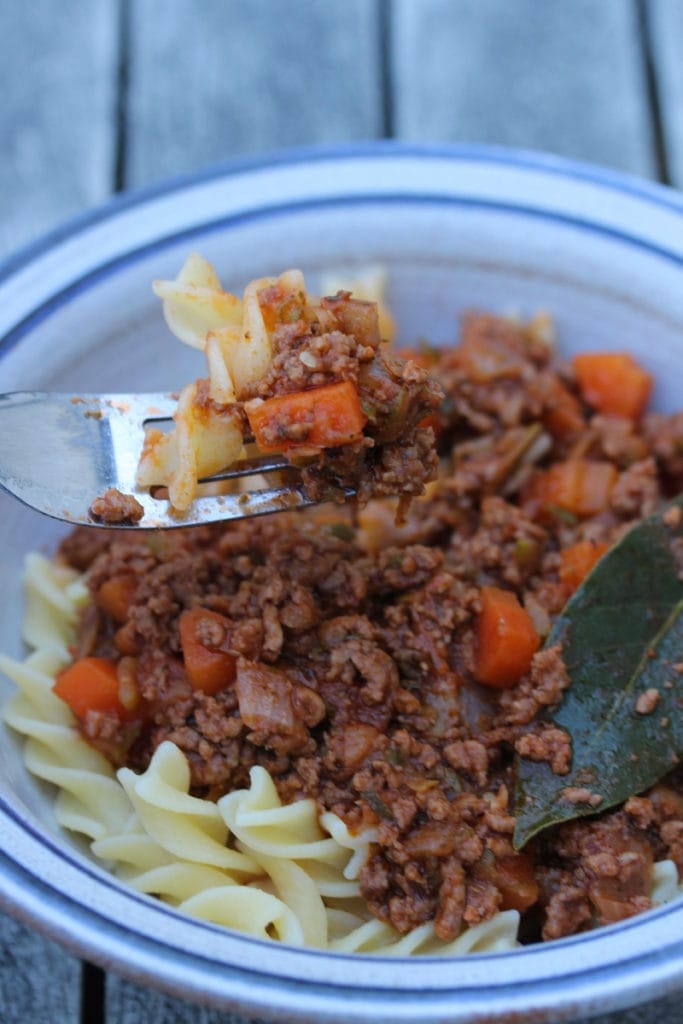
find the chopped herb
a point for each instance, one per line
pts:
(342, 531)
(452, 779)
(154, 543)
(291, 311)
(525, 552)
(563, 514)
(377, 804)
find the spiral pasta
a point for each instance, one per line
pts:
(249, 862)
(302, 860)
(373, 936)
(186, 826)
(235, 339)
(90, 800)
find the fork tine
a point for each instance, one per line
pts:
(226, 507)
(250, 467)
(60, 452)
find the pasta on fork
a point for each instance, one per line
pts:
(307, 378)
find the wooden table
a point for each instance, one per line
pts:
(104, 95)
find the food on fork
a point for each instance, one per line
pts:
(371, 736)
(308, 378)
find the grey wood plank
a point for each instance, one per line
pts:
(59, 83)
(662, 1011)
(58, 98)
(39, 982)
(666, 30)
(127, 1003)
(223, 77)
(558, 76)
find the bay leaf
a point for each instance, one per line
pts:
(621, 635)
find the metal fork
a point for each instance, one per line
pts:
(58, 452)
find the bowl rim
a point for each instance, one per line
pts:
(661, 194)
(194, 975)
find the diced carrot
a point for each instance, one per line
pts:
(92, 684)
(114, 596)
(507, 639)
(434, 421)
(577, 561)
(613, 383)
(513, 876)
(562, 416)
(580, 487)
(318, 418)
(203, 634)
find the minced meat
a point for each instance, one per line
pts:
(350, 642)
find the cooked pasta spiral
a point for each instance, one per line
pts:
(249, 862)
(184, 825)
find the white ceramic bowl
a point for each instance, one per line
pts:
(456, 228)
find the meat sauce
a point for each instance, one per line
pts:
(346, 653)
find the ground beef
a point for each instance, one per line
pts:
(337, 340)
(115, 507)
(547, 744)
(350, 644)
(604, 874)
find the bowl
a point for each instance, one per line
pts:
(456, 228)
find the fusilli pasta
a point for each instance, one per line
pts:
(248, 862)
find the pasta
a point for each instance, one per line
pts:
(304, 376)
(322, 727)
(233, 335)
(90, 800)
(249, 862)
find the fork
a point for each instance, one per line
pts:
(58, 452)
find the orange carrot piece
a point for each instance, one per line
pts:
(613, 383)
(514, 877)
(507, 639)
(562, 416)
(114, 596)
(203, 633)
(91, 684)
(578, 486)
(577, 561)
(318, 418)
(434, 421)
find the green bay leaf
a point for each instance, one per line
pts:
(621, 635)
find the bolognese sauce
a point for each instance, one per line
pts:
(393, 672)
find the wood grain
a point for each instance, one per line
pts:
(662, 1011)
(130, 1004)
(127, 1003)
(59, 88)
(58, 98)
(202, 80)
(666, 31)
(557, 76)
(39, 982)
(224, 78)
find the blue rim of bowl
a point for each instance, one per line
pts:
(651, 192)
(104, 270)
(661, 195)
